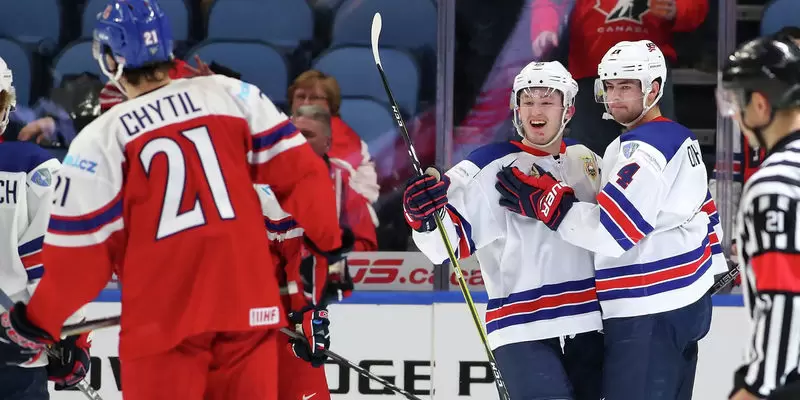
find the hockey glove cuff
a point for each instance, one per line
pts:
(313, 325)
(424, 196)
(70, 360)
(20, 341)
(539, 195)
(326, 275)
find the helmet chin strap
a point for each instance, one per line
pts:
(115, 76)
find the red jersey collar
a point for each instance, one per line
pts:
(536, 152)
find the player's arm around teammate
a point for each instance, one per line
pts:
(540, 287)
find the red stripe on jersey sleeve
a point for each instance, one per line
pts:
(777, 271)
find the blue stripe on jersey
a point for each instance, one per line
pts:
(35, 273)
(544, 290)
(657, 288)
(465, 225)
(282, 226)
(30, 247)
(84, 224)
(666, 136)
(628, 208)
(653, 266)
(543, 314)
(615, 231)
(571, 142)
(269, 139)
(483, 155)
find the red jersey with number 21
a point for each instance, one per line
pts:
(160, 191)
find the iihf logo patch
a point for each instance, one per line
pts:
(42, 177)
(629, 149)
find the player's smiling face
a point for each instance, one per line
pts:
(540, 112)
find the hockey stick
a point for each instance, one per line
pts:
(361, 371)
(82, 385)
(462, 283)
(724, 280)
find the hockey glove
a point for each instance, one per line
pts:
(20, 341)
(313, 325)
(70, 361)
(539, 195)
(326, 275)
(425, 195)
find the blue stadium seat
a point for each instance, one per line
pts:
(259, 64)
(779, 14)
(32, 21)
(76, 58)
(20, 63)
(176, 11)
(373, 122)
(369, 118)
(278, 22)
(354, 69)
(407, 24)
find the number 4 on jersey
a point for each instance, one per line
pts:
(625, 175)
(172, 220)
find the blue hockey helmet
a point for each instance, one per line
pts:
(135, 33)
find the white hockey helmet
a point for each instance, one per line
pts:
(642, 61)
(10, 96)
(551, 75)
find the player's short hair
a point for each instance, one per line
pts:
(329, 86)
(6, 99)
(148, 73)
(316, 113)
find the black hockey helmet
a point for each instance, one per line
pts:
(769, 65)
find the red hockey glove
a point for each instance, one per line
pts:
(539, 196)
(70, 361)
(425, 195)
(326, 275)
(20, 341)
(313, 325)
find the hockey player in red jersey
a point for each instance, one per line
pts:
(299, 372)
(163, 196)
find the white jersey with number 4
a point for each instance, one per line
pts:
(539, 285)
(655, 229)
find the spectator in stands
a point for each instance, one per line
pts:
(314, 122)
(111, 95)
(316, 88)
(595, 26)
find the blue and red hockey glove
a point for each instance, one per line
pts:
(20, 340)
(313, 325)
(326, 275)
(424, 196)
(70, 361)
(539, 195)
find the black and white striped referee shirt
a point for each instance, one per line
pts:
(769, 246)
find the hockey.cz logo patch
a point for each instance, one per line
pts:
(264, 316)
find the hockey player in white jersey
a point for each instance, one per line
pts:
(26, 185)
(654, 232)
(761, 90)
(540, 287)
